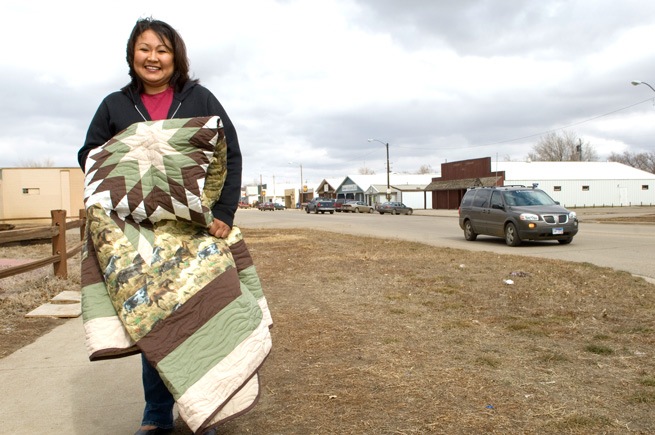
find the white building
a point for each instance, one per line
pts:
(583, 184)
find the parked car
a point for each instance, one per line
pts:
(357, 207)
(338, 204)
(278, 206)
(516, 213)
(394, 208)
(320, 205)
(266, 206)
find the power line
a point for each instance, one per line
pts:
(536, 134)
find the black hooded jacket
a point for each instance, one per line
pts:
(121, 109)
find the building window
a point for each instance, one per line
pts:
(31, 191)
(557, 188)
(585, 188)
(644, 187)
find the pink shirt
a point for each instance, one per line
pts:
(158, 104)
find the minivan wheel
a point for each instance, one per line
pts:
(469, 234)
(512, 235)
(394, 211)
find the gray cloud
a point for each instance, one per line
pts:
(437, 80)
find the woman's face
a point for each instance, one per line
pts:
(153, 61)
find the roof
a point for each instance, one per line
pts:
(400, 181)
(463, 183)
(332, 182)
(410, 187)
(532, 171)
(379, 188)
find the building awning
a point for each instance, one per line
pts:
(463, 183)
(375, 189)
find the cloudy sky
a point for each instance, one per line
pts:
(310, 81)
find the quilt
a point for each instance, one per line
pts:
(155, 281)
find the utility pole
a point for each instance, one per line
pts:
(388, 186)
(386, 144)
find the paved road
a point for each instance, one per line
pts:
(622, 247)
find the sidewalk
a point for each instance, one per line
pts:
(51, 387)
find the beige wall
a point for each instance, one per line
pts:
(33, 192)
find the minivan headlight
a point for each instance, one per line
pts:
(529, 217)
(572, 215)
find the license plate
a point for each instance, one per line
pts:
(557, 231)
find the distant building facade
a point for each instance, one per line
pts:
(29, 194)
(573, 184)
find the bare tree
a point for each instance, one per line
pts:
(562, 147)
(47, 162)
(643, 161)
(424, 169)
(366, 171)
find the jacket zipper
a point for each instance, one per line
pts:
(172, 116)
(178, 108)
(137, 109)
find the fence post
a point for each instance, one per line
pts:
(59, 243)
(82, 216)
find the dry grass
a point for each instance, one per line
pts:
(375, 336)
(641, 219)
(20, 294)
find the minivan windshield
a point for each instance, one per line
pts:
(523, 198)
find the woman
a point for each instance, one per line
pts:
(161, 89)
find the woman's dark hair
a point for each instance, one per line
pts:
(165, 32)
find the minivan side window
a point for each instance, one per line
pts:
(496, 199)
(468, 198)
(481, 198)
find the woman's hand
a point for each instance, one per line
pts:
(219, 229)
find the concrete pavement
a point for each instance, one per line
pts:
(50, 387)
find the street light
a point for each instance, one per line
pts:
(637, 83)
(299, 188)
(387, 145)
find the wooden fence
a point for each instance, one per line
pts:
(56, 232)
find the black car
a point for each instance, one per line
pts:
(515, 213)
(394, 208)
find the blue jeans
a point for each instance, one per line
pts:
(159, 401)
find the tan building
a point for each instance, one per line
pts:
(28, 194)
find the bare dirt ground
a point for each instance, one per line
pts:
(20, 294)
(375, 336)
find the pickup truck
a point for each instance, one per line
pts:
(320, 205)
